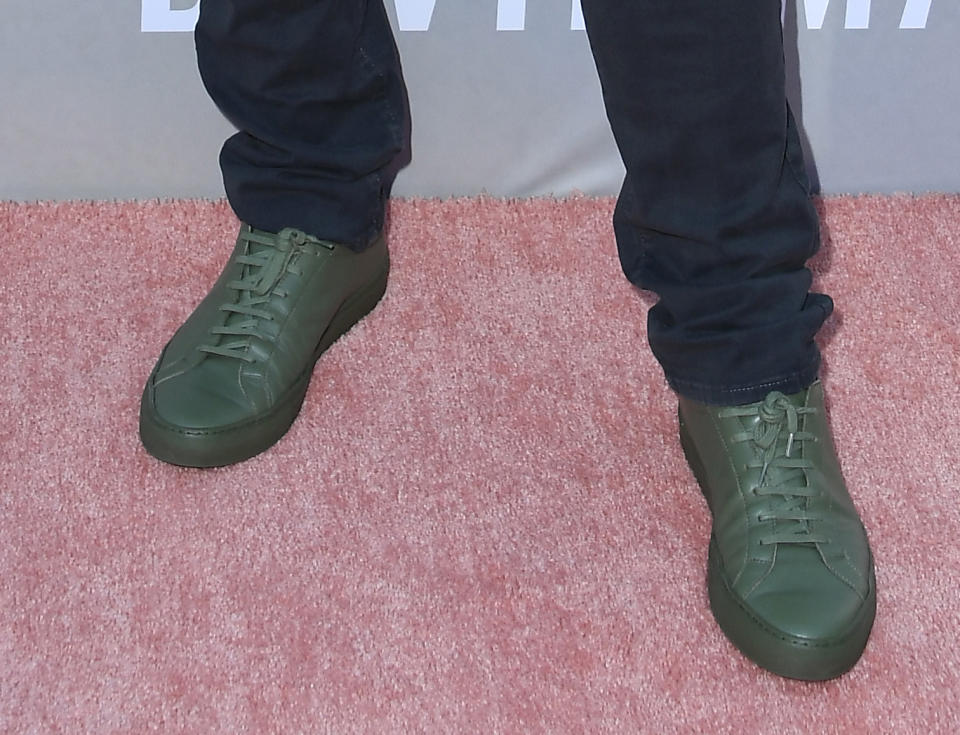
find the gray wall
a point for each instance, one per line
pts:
(101, 99)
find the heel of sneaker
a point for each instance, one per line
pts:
(354, 309)
(693, 460)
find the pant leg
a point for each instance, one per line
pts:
(316, 91)
(714, 214)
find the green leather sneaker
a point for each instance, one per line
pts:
(790, 577)
(232, 380)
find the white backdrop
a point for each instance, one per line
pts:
(101, 99)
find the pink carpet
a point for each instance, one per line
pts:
(482, 521)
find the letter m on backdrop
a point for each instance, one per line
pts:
(915, 13)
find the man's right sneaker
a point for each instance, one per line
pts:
(232, 379)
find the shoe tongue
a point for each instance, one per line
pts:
(257, 248)
(799, 400)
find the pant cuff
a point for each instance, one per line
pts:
(722, 395)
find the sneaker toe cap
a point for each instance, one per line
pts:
(189, 405)
(816, 607)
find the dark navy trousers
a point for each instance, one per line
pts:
(714, 214)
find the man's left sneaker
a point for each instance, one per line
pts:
(790, 580)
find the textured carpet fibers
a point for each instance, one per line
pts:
(482, 521)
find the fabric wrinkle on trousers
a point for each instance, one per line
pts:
(714, 215)
(317, 94)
